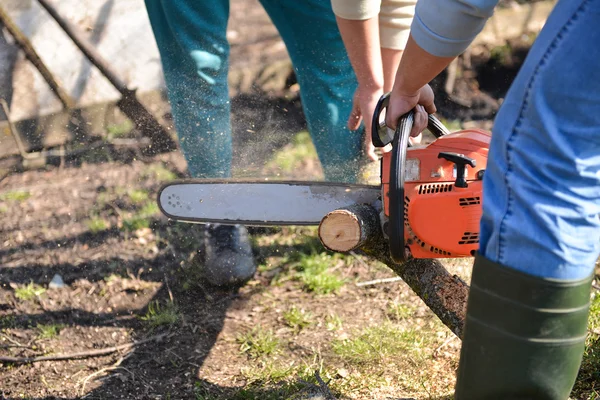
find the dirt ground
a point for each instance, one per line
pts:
(129, 278)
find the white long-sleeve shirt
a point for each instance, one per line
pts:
(443, 28)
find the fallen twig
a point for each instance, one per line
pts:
(113, 367)
(378, 281)
(83, 354)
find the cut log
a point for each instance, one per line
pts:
(348, 228)
(358, 227)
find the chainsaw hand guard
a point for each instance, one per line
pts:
(381, 135)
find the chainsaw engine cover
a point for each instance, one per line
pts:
(441, 210)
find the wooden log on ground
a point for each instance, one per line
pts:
(445, 294)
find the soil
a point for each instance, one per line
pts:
(113, 275)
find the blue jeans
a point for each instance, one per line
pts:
(191, 38)
(542, 184)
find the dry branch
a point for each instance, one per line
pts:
(25, 45)
(445, 294)
(83, 354)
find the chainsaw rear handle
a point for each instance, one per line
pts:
(381, 135)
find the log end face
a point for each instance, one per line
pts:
(340, 231)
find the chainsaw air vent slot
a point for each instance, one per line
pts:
(438, 251)
(469, 238)
(406, 202)
(470, 201)
(435, 188)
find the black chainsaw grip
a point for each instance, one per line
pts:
(434, 125)
(396, 195)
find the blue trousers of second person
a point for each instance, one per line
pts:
(191, 38)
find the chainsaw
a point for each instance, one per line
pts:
(429, 199)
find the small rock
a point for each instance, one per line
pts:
(56, 282)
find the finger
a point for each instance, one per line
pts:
(355, 117)
(370, 149)
(427, 99)
(420, 120)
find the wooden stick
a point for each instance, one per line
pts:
(34, 58)
(129, 104)
(378, 281)
(83, 354)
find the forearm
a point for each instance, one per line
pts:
(417, 68)
(441, 30)
(361, 39)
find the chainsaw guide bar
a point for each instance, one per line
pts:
(260, 203)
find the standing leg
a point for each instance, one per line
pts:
(327, 81)
(530, 290)
(191, 38)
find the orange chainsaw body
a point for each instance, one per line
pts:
(441, 220)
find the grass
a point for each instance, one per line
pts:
(588, 381)
(333, 322)
(96, 224)
(379, 343)
(15, 195)
(120, 130)
(48, 331)
(294, 154)
(314, 273)
(29, 292)
(398, 311)
(159, 172)
(141, 218)
(258, 342)
(138, 196)
(297, 319)
(158, 316)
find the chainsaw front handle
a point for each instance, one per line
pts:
(382, 135)
(400, 144)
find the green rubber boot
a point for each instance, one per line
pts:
(524, 336)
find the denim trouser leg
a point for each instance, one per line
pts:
(191, 37)
(327, 81)
(542, 184)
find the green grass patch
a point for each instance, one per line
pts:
(259, 342)
(138, 196)
(297, 318)
(587, 385)
(15, 195)
(333, 322)
(159, 172)
(293, 155)
(29, 292)
(158, 316)
(120, 130)
(376, 345)
(314, 272)
(7, 321)
(96, 224)
(48, 331)
(141, 219)
(398, 311)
